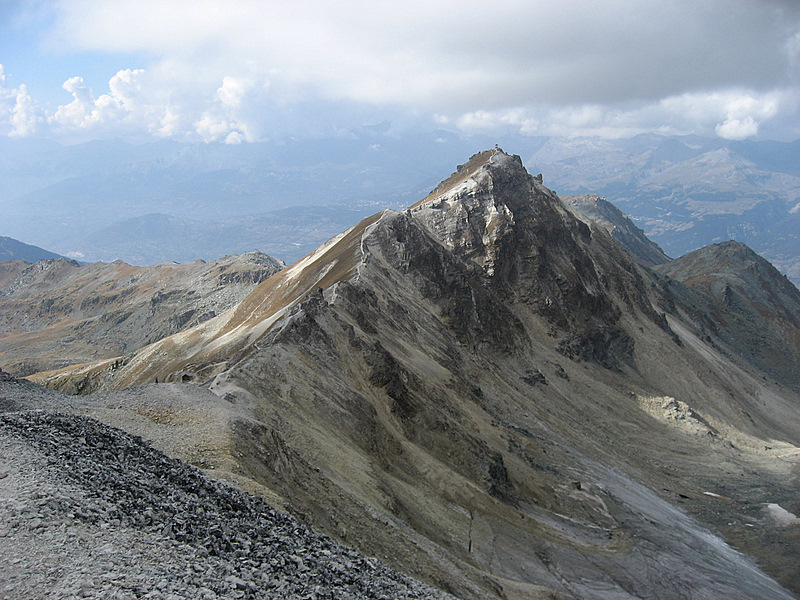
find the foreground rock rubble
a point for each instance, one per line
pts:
(89, 511)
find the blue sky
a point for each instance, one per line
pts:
(246, 70)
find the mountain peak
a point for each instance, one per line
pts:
(468, 170)
(751, 305)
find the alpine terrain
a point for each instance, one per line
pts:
(487, 391)
(55, 313)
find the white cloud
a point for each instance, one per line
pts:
(24, 118)
(231, 92)
(134, 103)
(733, 114)
(126, 88)
(6, 103)
(743, 115)
(244, 70)
(5, 92)
(211, 128)
(78, 113)
(737, 129)
(234, 137)
(168, 124)
(18, 113)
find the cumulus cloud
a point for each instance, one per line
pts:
(737, 129)
(743, 115)
(20, 116)
(77, 113)
(237, 71)
(134, 103)
(5, 98)
(125, 102)
(232, 112)
(24, 118)
(231, 92)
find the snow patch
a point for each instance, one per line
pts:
(782, 516)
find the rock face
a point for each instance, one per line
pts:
(495, 396)
(55, 313)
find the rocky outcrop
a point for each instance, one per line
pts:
(591, 208)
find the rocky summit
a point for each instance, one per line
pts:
(494, 396)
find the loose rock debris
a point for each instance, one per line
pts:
(87, 510)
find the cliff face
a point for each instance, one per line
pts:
(496, 397)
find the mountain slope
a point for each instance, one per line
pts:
(500, 400)
(748, 303)
(593, 208)
(54, 313)
(11, 249)
(154, 526)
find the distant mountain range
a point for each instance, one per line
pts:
(55, 313)
(162, 201)
(688, 192)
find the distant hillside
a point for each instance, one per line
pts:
(289, 234)
(685, 192)
(55, 313)
(689, 192)
(11, 249)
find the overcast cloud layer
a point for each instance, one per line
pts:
(233, 71)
